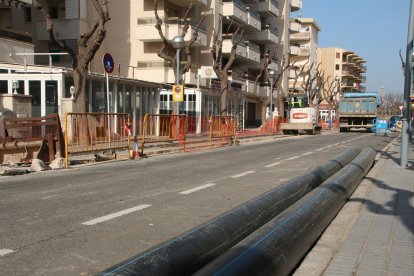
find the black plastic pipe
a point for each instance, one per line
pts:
(187, 253)
(278, 246)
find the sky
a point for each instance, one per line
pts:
(374, 29)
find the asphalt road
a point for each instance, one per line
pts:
(86, 219)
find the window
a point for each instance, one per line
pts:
(338, 55)
(3, 87)
(27, 14)
(336, 66)
(53, 12)
(34, 91)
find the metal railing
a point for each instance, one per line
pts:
(222, 130)
(163, 128)
(92, 132)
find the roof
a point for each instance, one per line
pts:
(360, 94)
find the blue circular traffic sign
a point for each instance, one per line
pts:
(108, 63)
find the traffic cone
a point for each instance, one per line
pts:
(135, 152)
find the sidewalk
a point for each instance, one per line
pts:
(374, 233)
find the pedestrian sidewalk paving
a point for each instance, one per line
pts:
(374, 233)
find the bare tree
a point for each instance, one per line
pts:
(88, 45)
(167, 51)
(284, 65)
(311, 84)
(402, 63)
(390, 104)
(217, 53)
(331, 94)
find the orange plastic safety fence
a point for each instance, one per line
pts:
(89, 132)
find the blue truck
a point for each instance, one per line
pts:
(358, 110)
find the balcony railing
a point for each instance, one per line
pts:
(15, 35)
(253, 19)
(64, 28)
(294, 27)
(171, 27)
(235, 9)
(253, 51)
(170, 21)
(300, 36)
(295, 5)
(268, 7)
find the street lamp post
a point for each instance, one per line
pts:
(178, 43)
(272, 74)
(338, 86)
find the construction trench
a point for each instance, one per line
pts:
(268, 235)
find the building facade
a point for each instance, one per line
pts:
(141, 82)
(346, 68)
(303, 52)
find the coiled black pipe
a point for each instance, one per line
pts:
(278, 246)
(187, 253)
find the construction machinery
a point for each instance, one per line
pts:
(302, 117)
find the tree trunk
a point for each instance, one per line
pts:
(224, 94)
(79, 80)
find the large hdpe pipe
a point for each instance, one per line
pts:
(187, 253)
(278, 246)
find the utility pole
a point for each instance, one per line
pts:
(407, 89)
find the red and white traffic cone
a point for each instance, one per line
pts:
(135, 152)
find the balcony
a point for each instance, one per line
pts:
(15, 35)
(171, 28)
(294, 50)
(186, 3)
(295, 5)
(160, 71)
(236, 10)
(268, 8)
(64, 28)
(267, 35)
(241, 50)
(253, 51)
(294, 27)
(301, 36)
(250, 86)
(253, 19)
(273, 65)
(304, 52)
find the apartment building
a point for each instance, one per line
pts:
(141, 81)
(345, 67)
(303, 52)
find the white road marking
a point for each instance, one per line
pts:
(115, 215)
(320, 149)
(4, 252)
(197, 189)
(293, 158)
(272, 165)
(242, 174)
(308, 153)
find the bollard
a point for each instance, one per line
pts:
(278, 246)
(187, 253)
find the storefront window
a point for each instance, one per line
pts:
(3, 87)
(98, 97)
(128, 95)
(68, 84)
(120, 99)
(51, 97)
(35, 92)
(20, 89)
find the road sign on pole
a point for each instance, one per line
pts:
(178, 93)
(108, 63)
